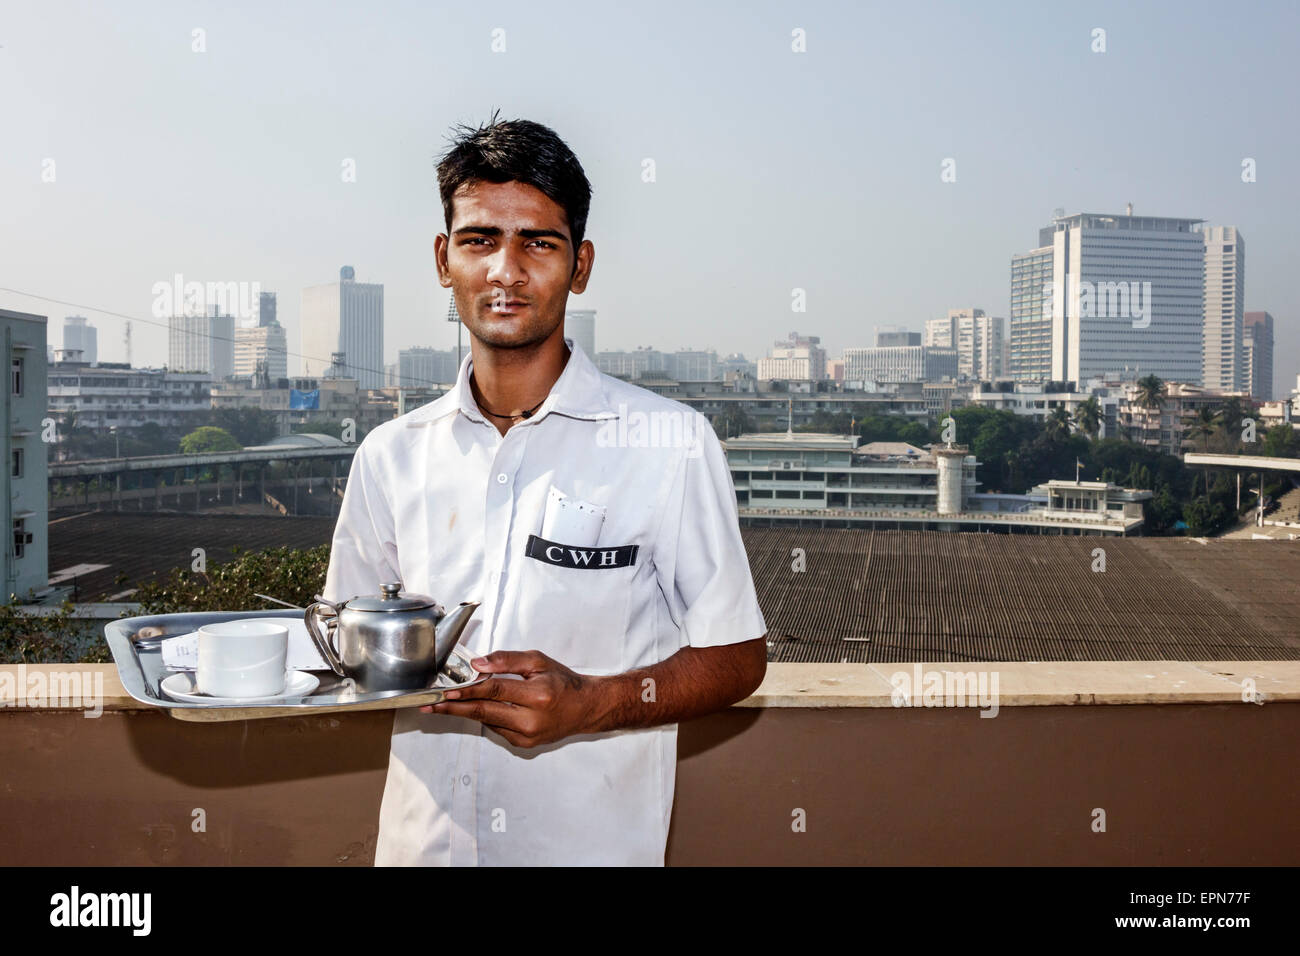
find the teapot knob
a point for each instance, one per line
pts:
(391, 590)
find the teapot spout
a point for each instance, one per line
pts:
(448, 631)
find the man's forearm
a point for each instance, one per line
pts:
(693, 682)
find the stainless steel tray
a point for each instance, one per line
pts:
(136, 644)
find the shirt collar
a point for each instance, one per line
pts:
(577, 393)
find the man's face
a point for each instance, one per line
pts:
(509, 262)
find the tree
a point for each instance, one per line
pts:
(1203, 427)
(1230, 416)
(1088, 416)
(285, 573)
(732, 422)
(208, 439)
(1057, 425)
(1281, 441)
(249, 425)
(1204, 518)
(1151, 392)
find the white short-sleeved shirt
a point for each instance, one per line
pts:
(441, 501)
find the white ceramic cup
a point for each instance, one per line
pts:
(242, 659)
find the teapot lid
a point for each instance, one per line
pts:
(392, 599)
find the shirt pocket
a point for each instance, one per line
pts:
(575, 615)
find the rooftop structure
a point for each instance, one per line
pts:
(831, 481)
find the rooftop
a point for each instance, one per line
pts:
(872, 596)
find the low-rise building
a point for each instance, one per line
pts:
(1168, 426)
(833, 481)
(295, 401)
(110, 395)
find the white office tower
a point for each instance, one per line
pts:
(80, 340)
(264, 345)
(580, 325)
(1223, 359)
(348, 317)
(1126, 293)
(202, 343)
(976, 337)
(1029, 352)
(797, 358)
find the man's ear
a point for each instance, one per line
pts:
(582, 266)
(440, 244)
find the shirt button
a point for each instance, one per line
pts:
(502, 479)
(465, 780)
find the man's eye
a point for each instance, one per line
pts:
(544, 244)
(474, 239)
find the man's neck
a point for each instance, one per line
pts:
(512, 381)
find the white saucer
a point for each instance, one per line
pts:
(180, 686)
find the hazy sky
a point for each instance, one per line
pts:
(775, 169)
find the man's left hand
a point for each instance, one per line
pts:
(549, 704)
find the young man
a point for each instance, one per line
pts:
(602, 636)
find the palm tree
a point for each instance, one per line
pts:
(1088, 416)
(1150, 395)
(1203, 427)
(1057, 424)
(1151, 392)
(1231, 415)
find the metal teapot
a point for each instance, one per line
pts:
(387, 641)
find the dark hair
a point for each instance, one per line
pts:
(517, 151)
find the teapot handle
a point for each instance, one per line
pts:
(324, 641)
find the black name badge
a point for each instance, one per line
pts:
(567, 556)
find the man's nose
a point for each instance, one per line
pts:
(505, 267)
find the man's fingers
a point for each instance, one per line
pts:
(510, 691)
(522, 663)
(492, 713)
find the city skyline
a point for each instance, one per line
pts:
(136, 199)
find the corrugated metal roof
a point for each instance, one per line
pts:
(936, 596)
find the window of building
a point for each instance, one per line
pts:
(16, 376)
(22, 537)
(16, 468)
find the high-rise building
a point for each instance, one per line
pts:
(202, 343)
(421, 367)
(1029, 352)
(264, 345)
(80, 340)
(1223, 364)
(580, 325)
(1125, 293)
(266, 309)
(798, 358)
(348, 317)
(976, 337)
(1258, 328)
(23, 560)
(891, 335)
